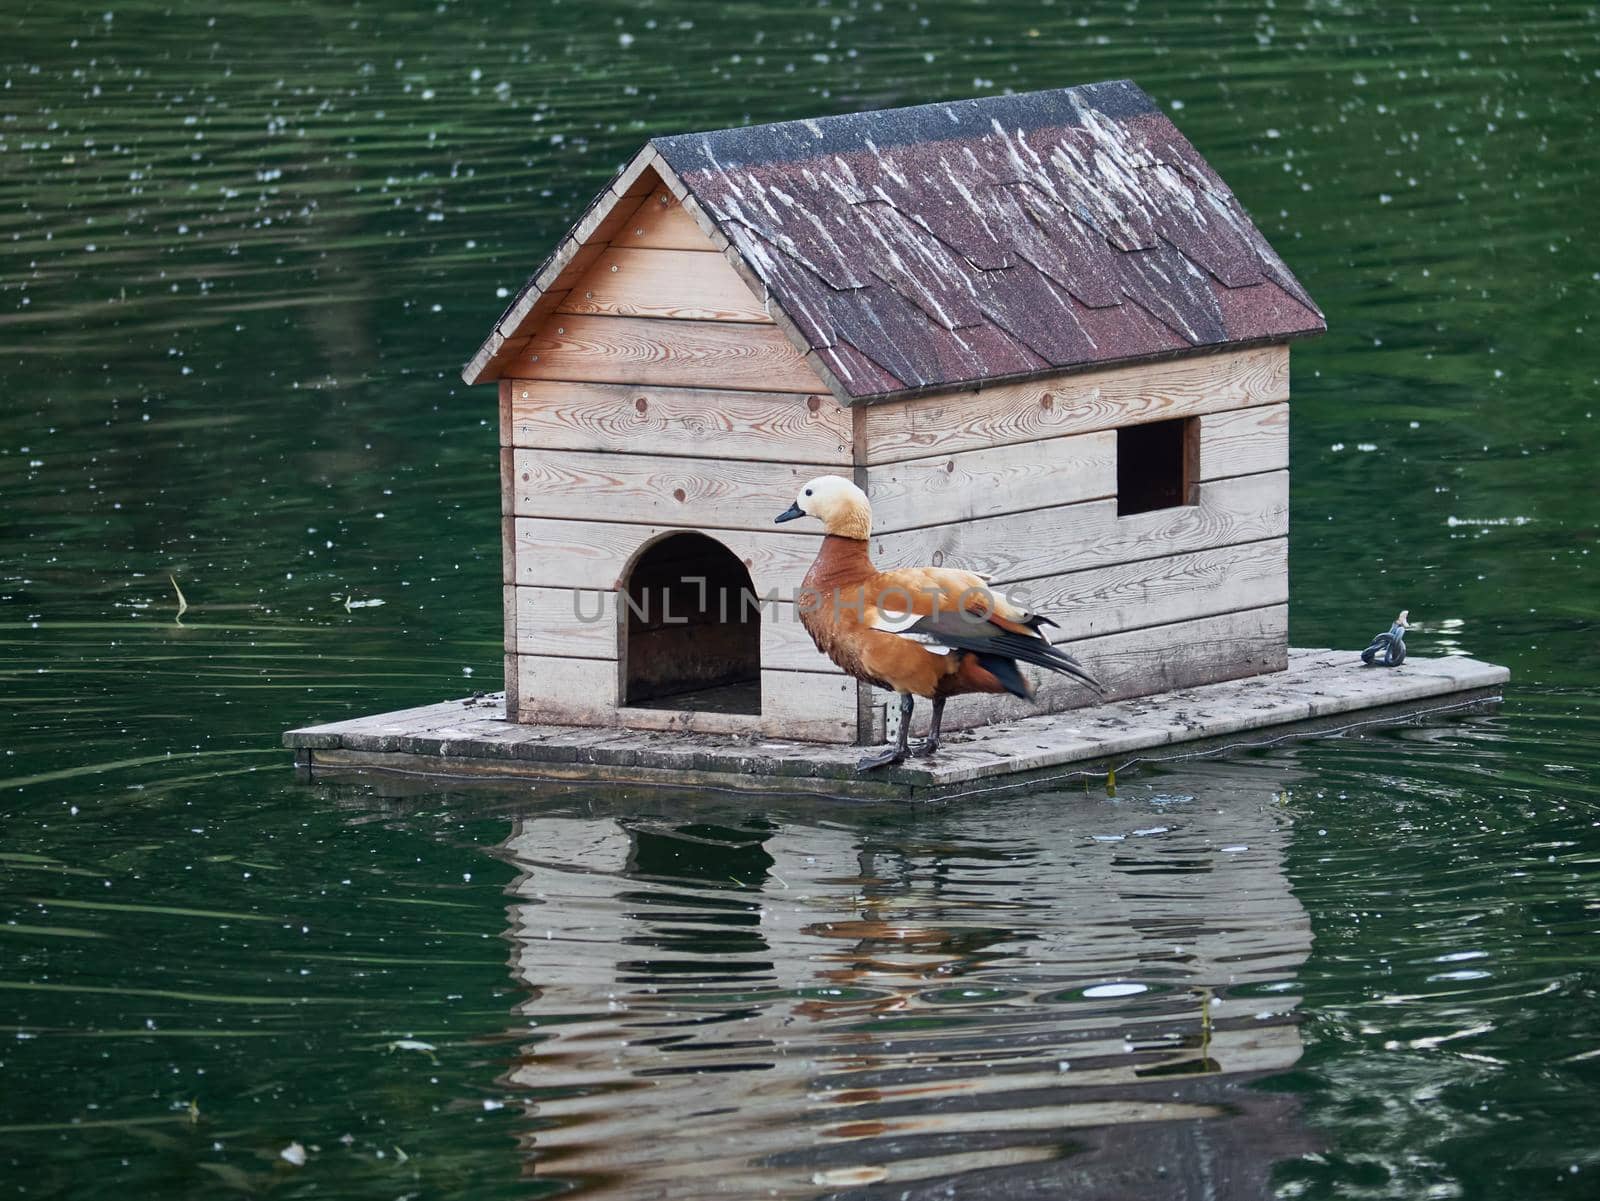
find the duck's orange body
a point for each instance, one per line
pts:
(844, 595)
(931, 632)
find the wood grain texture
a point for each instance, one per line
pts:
(511, 617)
(594, 232)
(511, 672)
(677, 285)
(1044, 542)
(713, 423)
(593, 554)
(695, 211)
(662, 224)
(658, 489)
(584, 624)
(1153, 592)
(582, 260)
(559, 272)
(503, 414)
(1074, 404)
(508, 505)
(577, 623)
(508, 555)
(566, 690)
(583, 692)
(1244, 441)
(1141, 662)
(605, 217)
(639, 178)
(1004, 479)
(639, 350)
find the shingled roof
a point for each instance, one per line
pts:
(952, 245)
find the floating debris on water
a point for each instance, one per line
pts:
(412, 1044)
(1115, 990)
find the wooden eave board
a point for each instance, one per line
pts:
(1321, 690)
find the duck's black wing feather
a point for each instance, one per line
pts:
(970, 633)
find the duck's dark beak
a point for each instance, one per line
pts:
(789, 514)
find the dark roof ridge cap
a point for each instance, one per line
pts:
(926, 104)
(1122, 97)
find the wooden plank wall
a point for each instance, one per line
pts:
(1149, 601)
(660, 397)
(1008, 414)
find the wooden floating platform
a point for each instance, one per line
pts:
(1322, 691)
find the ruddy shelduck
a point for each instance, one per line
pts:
(931, 632)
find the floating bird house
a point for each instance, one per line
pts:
(1038, 330)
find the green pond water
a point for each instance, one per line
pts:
(243, 251)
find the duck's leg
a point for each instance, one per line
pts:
(897, 752)
(931, 743)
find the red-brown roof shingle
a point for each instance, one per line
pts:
(955, 244)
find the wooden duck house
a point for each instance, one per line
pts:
(1038, 330)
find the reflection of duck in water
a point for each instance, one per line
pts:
(1389, 648)
(888, 960)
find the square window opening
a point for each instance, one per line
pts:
(1157, 465)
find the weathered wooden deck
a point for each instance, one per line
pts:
(1323, 691)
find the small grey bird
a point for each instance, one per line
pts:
(1389, 648)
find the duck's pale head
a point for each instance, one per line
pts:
(837, 503)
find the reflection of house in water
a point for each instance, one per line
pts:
(1057, 994)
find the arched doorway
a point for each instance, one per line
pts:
(691, 630)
